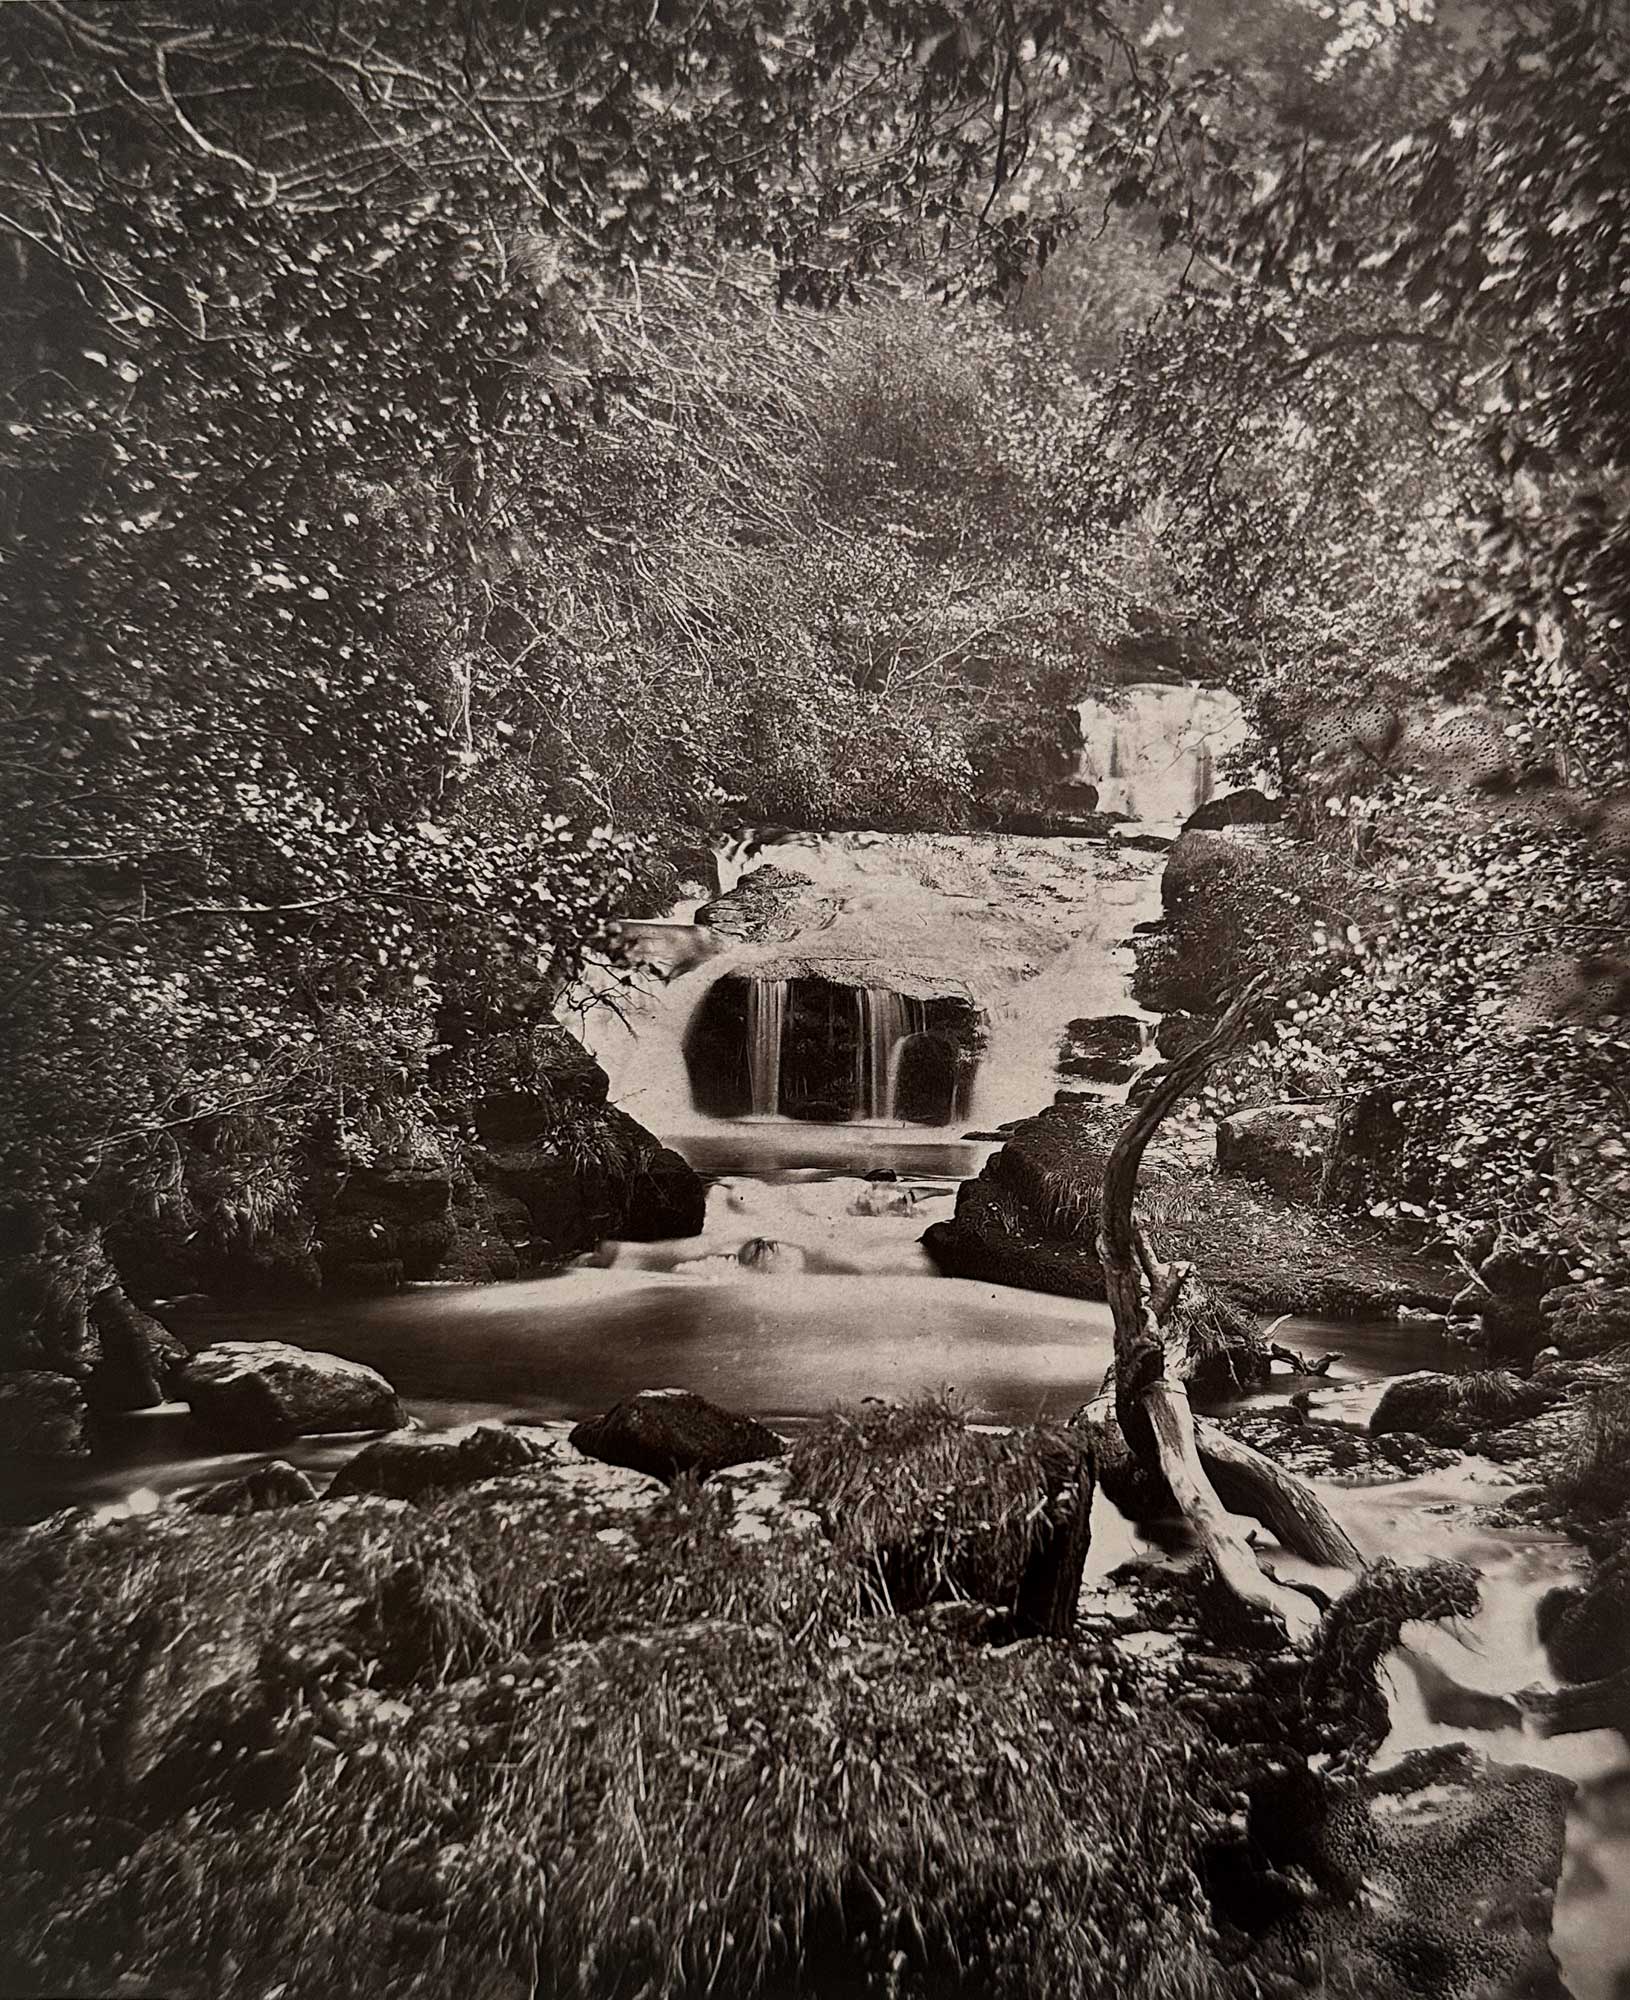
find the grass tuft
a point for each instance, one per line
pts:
(928, 1507)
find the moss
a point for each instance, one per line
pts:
(514, 1743)
(1031, 1216)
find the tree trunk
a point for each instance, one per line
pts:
(1153, 1361)
(1050, 1587)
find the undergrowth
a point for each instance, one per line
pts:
(511, 1743)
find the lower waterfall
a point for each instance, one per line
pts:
(766, 1030)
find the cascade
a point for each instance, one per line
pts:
(886, 1020)
(766, 1026)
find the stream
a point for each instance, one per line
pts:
(809, 1285)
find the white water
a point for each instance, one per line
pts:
(1156, 752)
(1035, 932)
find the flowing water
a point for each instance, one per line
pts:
(1157, 752)
(809, 1284)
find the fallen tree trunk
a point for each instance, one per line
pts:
(1153, 1304)
(1245, 1481)
(1248, 1482)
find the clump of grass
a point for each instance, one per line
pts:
(927, 1506)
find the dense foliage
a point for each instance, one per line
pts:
(458, 458)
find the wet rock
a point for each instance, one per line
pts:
(1460, 1860)
(139, 1360)
(1585, 1627)
(270, 1486)
(1454, 1409)
(409, 1464)
(664, 1198)
(1333, 1451)
(1101, 1049)
(770, 905)
(1282, 1146)
(42, 1415)
(1246, 807)
(1582, 1321)
(264, 1392)
(665, 1432)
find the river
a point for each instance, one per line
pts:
(809, 1285)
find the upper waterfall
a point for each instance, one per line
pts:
(1154, 751)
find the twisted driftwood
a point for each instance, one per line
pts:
(1153, 1363)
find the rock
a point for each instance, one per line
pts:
(770, 905)
(1279, 1145)
(270, 1486)
(665, 1198)
(1178, 1033)
(42, 1415)
(587, 1484)
(1454, 1409)
(1101, 1049)
(1235, 908)
(1029, 1217)
(139, 1359)
(1332, 1451)
(1247, 807)
(1585, 1627)
(669, 1431)
(1582, 1321)
(760, 1508)
(264, 1392)
(1460, 1858)
(409, 1464)
(1601, 1374)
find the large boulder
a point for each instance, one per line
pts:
(254, 1393)
(1455, 1409)
(1585, 1627)
(666, 1432)
(1459, 1859)
(1102, 1048)
(409, 1464)
(42, 1415)
(1582, 1321)
(1280, 1146)
(1247, 807)
(1030, 1218)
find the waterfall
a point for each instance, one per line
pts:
(1205, 775)
(766, 1024)
(886, 1019)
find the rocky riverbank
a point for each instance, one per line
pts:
(497, 1715)
(1030, 1219)
(528, 1166)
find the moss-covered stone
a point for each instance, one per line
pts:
(1031, 1216)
